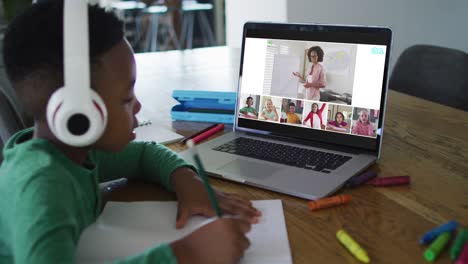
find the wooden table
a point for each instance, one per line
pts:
(422, 139)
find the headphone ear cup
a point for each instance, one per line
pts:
(75, 124)
(53, 106)
(90, 120)
(100, 108)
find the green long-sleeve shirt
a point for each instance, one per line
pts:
(46, 200)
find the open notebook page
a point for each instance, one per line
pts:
(126, 229)
(152, 132)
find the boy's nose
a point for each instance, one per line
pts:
(137, 107)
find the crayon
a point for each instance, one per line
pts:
(389, 181)
(457, 246)
(431, 235)
(208, 133)
(198, 133)
(329, 202)
(436, 247)
(352, 246)
(358, 180)
(463, 258)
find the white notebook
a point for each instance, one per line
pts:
(126, 229)
(147, 131)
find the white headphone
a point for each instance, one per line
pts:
(76, 114)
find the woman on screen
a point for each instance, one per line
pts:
(315, 79)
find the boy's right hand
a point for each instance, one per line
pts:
(222, 241)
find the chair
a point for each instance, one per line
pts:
(433, 73)
(130, 12)
(156, 12)
(190, 9)
(10, 120)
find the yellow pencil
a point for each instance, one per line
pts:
(352, 246)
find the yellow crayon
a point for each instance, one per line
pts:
(352, 246)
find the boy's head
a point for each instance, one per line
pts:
(292, 107)
(33, 55)
(249, 101)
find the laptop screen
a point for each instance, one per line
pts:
(314, 82)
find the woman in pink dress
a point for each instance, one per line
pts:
(315, 79)
(363, 127)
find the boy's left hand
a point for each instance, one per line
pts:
(193, 200)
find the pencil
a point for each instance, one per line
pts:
(202, 174)
(198, 133)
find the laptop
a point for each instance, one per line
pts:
(310, 108)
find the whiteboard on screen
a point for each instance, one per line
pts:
(283, 82)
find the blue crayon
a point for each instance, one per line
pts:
(363, 178)
(431, 235)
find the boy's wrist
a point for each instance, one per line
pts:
(183, 177)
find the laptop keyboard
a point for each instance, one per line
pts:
(283, 154)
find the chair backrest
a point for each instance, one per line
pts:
(433, 73)
(10, 121)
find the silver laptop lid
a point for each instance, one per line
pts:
(325, 83)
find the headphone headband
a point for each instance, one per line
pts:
(75, 113)
(76, 50)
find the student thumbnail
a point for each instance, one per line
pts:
(339, 118)
(291, 111)
(317, 115)
(250, 110)
(270, 108)
(365, 121)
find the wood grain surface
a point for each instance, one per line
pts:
(427, 141)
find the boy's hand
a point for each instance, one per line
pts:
(222, 241)
(193, 200)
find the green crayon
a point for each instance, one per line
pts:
(436, 247)
(457, 247)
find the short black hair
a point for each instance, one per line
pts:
(33, 48)
(250, 97)
(319, 52)
(292, 104)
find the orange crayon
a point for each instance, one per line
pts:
(329, 202)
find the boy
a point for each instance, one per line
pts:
(292, 117)
(49, 191)
(249, 111)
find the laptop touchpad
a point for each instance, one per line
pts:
(248, 169)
